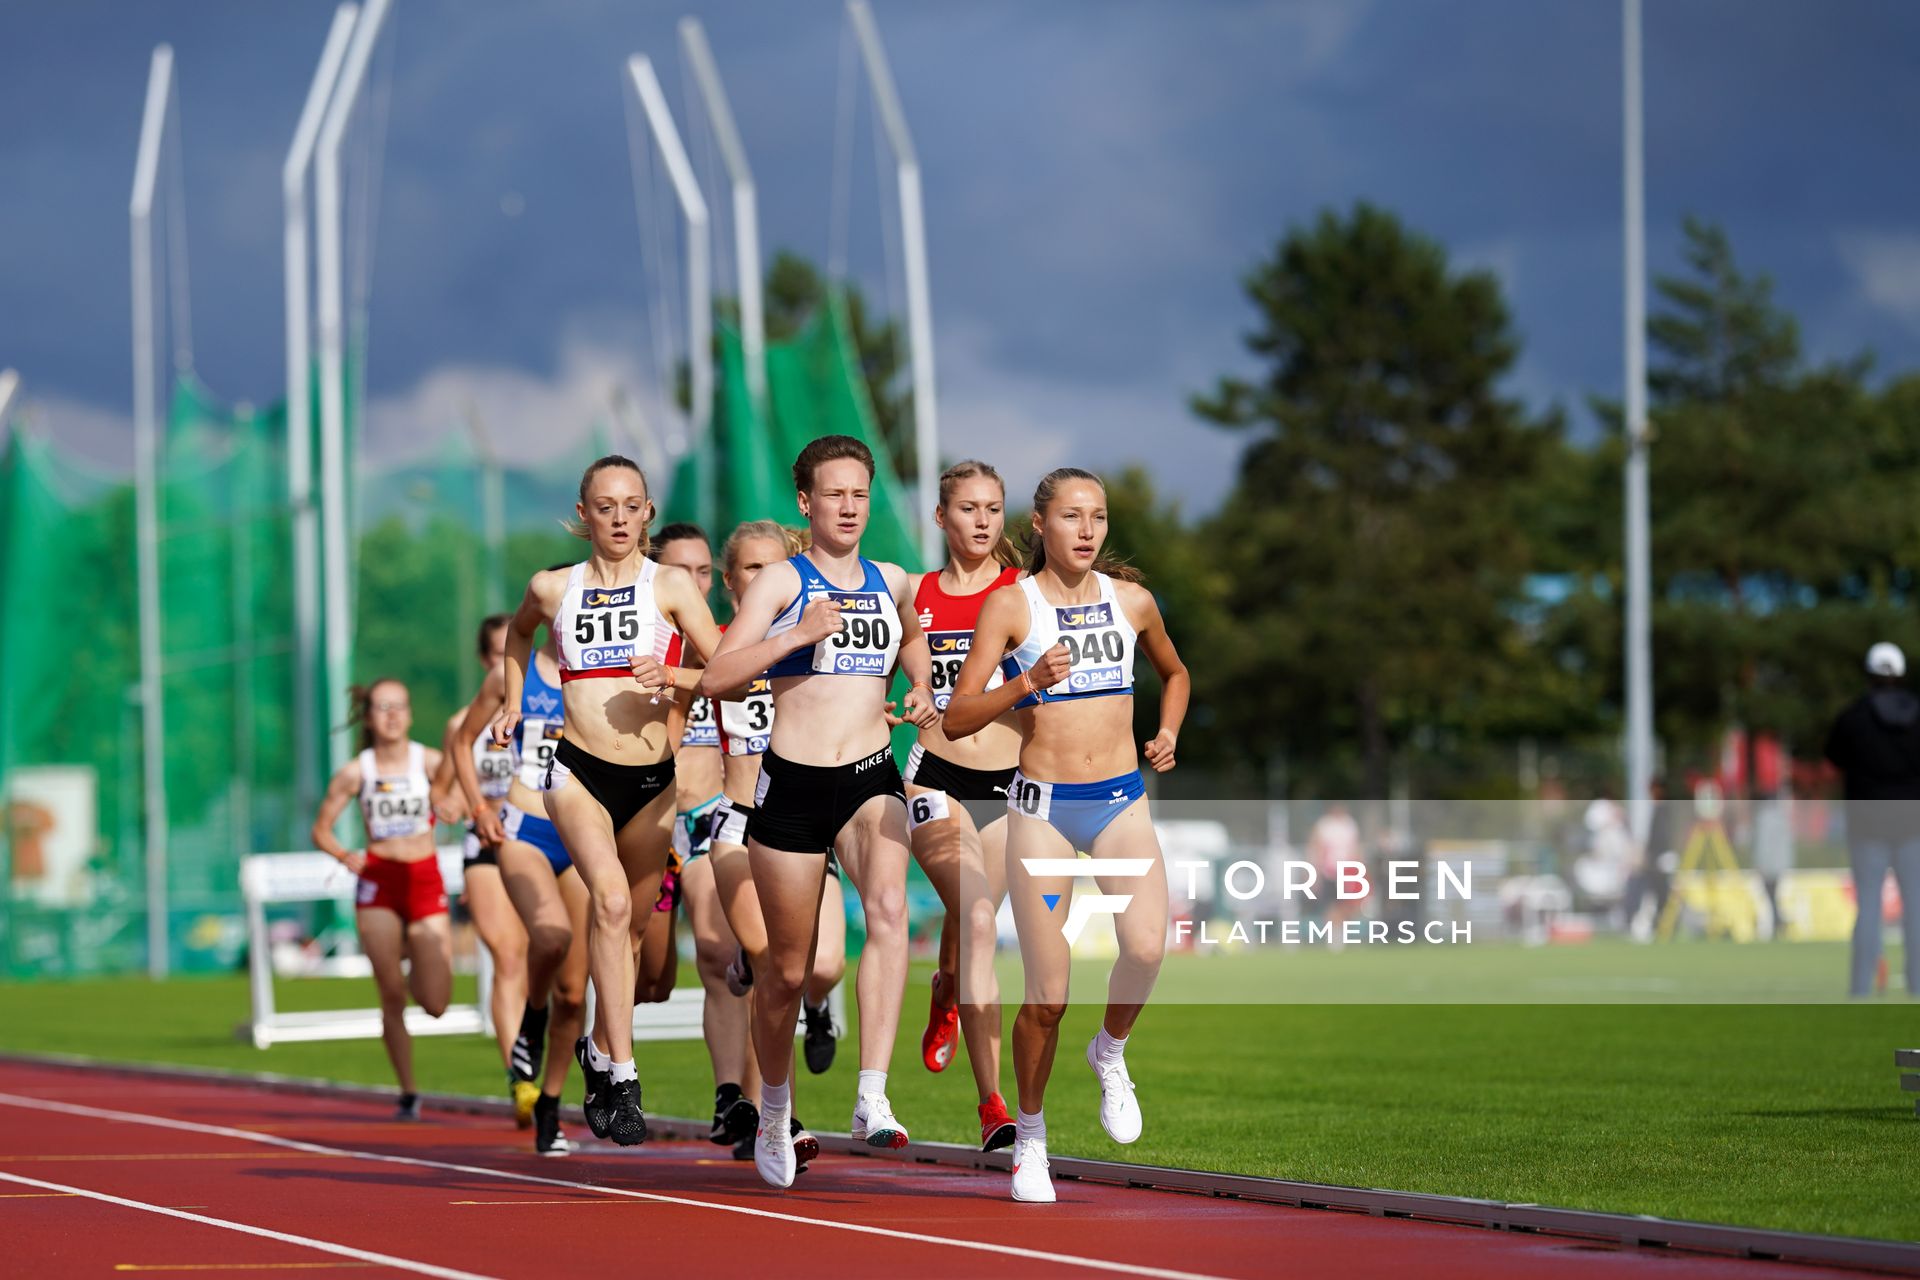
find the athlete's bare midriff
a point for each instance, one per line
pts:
(829, 720)
(1079, 740)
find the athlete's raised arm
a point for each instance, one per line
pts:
(473, 722)
(916, 659)
(999, 631)
(341, 789)
(746, 651)
(536, 610)
(1176, 685)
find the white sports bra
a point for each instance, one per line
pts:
(1098, 637)
(396, 806)
(603, 629)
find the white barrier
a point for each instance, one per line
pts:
(267, 878)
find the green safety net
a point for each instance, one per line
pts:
(438, 543)
(742, 469)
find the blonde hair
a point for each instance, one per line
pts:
(578, 527)
(1004, 551)
(755, 529)
(1036, 545)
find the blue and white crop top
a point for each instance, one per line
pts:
(867, 644)
(1098, 637)
(542, 723)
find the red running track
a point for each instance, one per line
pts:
(116, 1175)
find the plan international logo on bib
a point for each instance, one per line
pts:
(617, 656)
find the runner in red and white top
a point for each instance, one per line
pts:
(401, 902)
(609, 785)
(957, 790)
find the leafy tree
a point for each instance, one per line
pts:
(1373, 547)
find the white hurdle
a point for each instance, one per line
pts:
(273, 878)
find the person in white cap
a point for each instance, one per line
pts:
(1875, 743)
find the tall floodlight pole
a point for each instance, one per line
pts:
(746, 211)
(306, 534)
(913, 243)
(693, 209)
(1639, 644)
(329, 264)
(146, 415)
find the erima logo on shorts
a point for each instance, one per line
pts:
(1085, 615)
(606, 597)
(1098, 678)
(617, 656)
(1086, 906)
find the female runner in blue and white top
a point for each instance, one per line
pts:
(827, 626)
(546, 893)
(1069, 632)
(609, 787)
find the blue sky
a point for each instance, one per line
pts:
(1099, 175)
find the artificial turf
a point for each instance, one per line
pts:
(1603, 1077)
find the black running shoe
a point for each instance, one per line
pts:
(626, 1125)
(820, 1043)
(598, 1101)
(408, 1107)
(743, 1149)
(743, 1121)
(806, 1147)
(721, 1134)
(547, 1138)
(530, 1045)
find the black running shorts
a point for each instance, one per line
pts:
(800, 808)
(622, 789)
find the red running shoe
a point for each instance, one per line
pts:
(942, 1034)
(996, 1126)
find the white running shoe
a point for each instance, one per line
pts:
(773, 1150)
(1032, 1182)
(1119, 1112)
(873, 1123)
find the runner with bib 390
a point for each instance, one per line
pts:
(827, 626)
(957, 791)
(1069, 632)
(610, 783)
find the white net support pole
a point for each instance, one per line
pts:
(147, 379)
(913, 235)
(329, 260)
(693, 209)
(746, 205)
(306, 532)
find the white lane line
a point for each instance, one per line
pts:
(242, 1135)
(306, 1242)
